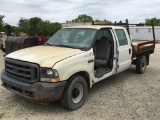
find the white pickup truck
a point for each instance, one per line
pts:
(72, 61)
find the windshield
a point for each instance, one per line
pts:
(73, 38)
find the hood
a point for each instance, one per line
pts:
(45, 56)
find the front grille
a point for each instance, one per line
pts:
(22, 71)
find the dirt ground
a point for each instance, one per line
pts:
(125, 96)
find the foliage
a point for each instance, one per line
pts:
(120, 21)
(37, 26)
(23, 25)
(47, 29)
(54, 27)
(1, 115)
(81, 18)
(43, 28)
(85, 18)
(105, 21)
(156, 21)
(1, 23)
(97, 20)
(15, 30)
(33, 26)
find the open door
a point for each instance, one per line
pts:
(104, 52)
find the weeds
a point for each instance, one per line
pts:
(1, 115)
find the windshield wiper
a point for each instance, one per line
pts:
(82, 48)
(67, 46)
(48, 44)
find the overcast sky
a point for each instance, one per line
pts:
(63, 10)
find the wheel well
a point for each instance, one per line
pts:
(85, 75)
(144, 54)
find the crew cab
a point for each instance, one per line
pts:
(71, 62)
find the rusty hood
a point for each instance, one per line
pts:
(45, 56)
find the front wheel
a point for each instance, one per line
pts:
(141, 64)
(75, 93)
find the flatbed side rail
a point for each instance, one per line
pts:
(141, 46)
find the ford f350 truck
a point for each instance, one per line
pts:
(71, 61)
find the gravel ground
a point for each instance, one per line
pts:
(125, 96)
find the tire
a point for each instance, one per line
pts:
(75, 93)
(141, 64)
(2, 48)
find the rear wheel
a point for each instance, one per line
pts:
(141, 64)
(75, 93)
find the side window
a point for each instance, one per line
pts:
(121, 37)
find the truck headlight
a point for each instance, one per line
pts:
(49, 75)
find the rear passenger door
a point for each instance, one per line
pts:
(124, 50)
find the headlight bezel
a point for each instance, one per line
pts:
(49, 75)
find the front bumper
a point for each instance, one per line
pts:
(38, 91)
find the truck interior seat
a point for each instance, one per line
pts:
(103, 51)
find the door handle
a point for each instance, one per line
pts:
(129, 51)
(90, 61)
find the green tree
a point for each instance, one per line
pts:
(107, 21)
(54, 27)
(104, 21)
(82, 18)
(33, 22)
(15, 30)
(120, 21)
(2, 23)
(23, 25)
(37, 26)
(46, 28)
(97, 20)
(43, 28)
(156, 21)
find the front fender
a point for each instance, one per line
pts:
(76, 69)
(75, 64)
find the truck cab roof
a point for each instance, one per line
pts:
(96, 27)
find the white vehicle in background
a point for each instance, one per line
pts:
(71, 61)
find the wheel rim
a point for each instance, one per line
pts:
(143, 66)
(77, 93)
